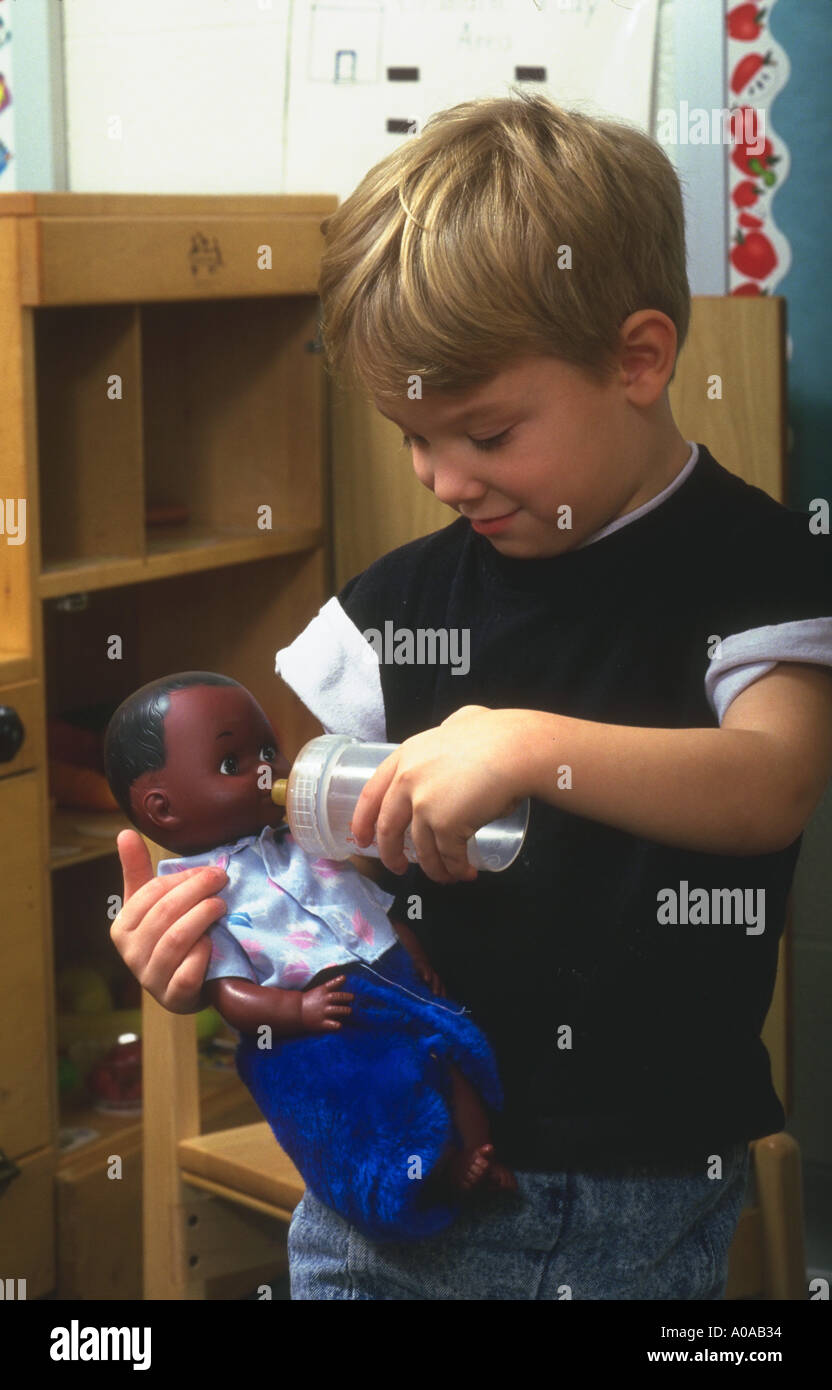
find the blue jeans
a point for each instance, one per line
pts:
(562, 1235)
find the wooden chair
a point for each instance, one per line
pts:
(768, 1255)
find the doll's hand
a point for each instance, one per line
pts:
(426, 972)
(322, 1007)
(418, 956)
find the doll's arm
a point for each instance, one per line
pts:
(288, 1012)
(418, 955)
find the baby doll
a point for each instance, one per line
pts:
(370, 1085)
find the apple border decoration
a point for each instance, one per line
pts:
(7, 118)
(759, 256)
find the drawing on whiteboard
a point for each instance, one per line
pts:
(345, 63)
(345, 42)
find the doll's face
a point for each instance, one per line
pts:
(214, 787)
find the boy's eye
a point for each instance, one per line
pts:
(493, 443)
(234, 768)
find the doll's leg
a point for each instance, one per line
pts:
(463, 1169)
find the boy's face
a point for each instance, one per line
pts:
(560, 440)
(218, 746)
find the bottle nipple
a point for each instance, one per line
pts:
(279, 791)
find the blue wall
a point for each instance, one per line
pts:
(802, 116)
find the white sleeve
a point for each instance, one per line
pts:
(747, 656)
(335, 672)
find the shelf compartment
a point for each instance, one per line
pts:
(177, 550)
(89, 446)
(233, 415)
(232, 621)
(71, 837)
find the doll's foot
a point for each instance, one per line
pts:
(501, 1178)
(467, 1168)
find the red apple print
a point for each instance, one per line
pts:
(745, 22)
(748, 288)
(749, 161)
(754, 256)
(745, 194)
(746, 220)
(747, 68)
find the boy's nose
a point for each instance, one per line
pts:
(453, 486)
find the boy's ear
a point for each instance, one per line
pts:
(647, 354)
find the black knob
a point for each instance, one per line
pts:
(11, 733)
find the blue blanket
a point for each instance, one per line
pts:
(364, 1112)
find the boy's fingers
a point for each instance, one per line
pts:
(137, 869)
(392, 822)
(161, 902)
(453, 851)
(369, 802)
(430, 860)
(168, 950)
(182, 994)
(135, 861)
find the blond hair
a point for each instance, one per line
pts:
(444, 260)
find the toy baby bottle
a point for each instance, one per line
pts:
(323, 787)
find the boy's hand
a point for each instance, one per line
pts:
(445, 783)
(160, 931)
(322, 1008)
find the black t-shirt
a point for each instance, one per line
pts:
(663, 1062)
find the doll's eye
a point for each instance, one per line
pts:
(230, 759)
(268, 752)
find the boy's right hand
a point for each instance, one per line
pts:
(160, 931)
(322, 1007)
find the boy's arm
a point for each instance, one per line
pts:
(288, 1012)
(746, 788)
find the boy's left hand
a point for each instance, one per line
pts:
(445, 783)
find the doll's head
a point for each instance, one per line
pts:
(190, 759)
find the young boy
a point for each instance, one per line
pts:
(650, 643)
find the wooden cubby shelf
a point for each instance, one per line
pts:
(163, 414)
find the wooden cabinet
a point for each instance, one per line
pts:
(164, 508)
